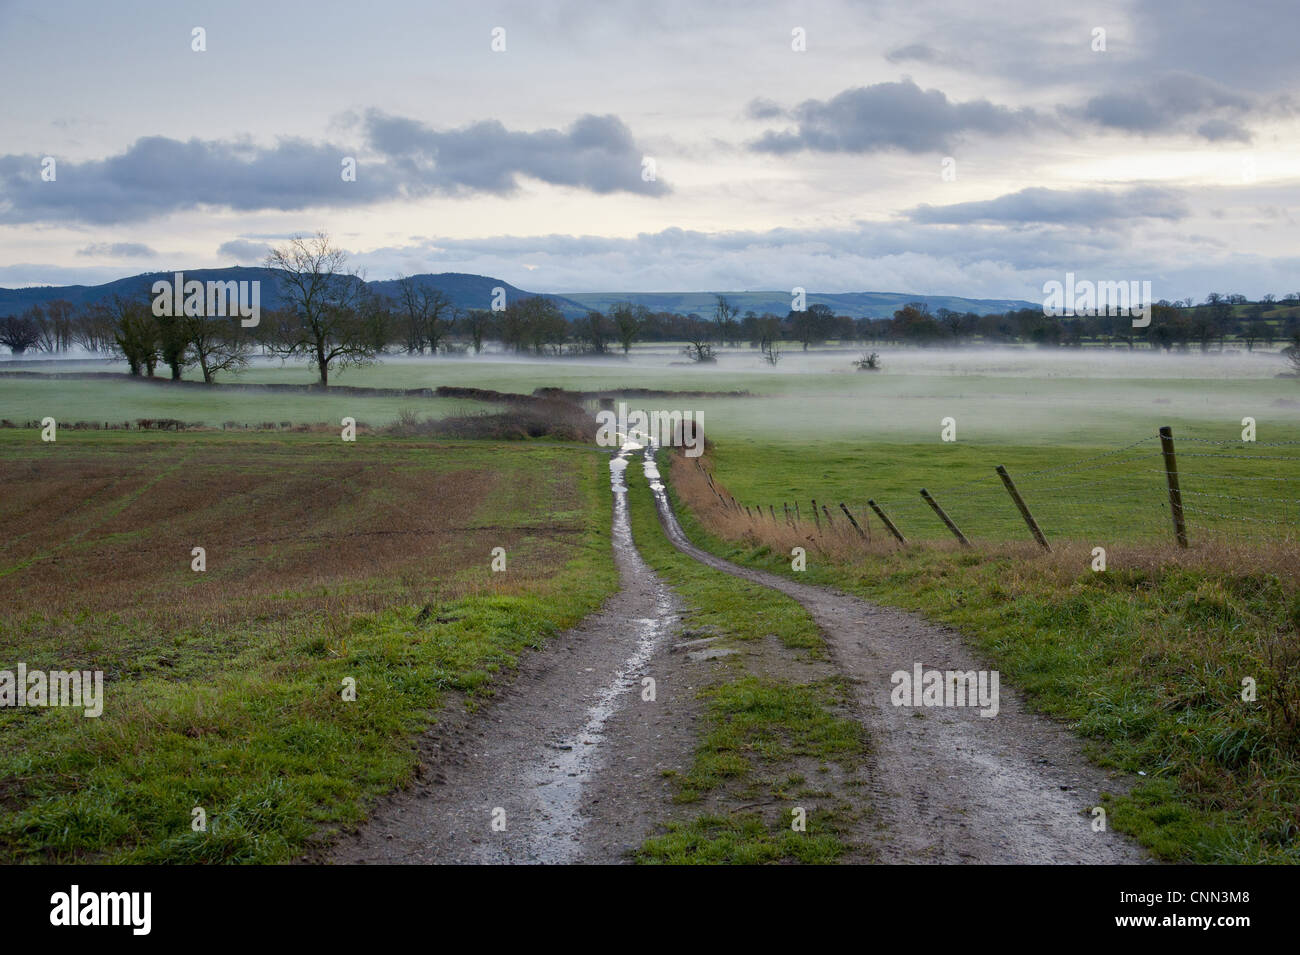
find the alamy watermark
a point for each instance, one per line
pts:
(76, 688)
(130, 909)
(1088, 298)
(213, 299)
(664, 428)
(946, 688)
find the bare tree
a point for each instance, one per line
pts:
(135, 333)
(219, 344)
(478, 323)
(725, 314)
(18, 333)
(46, 339)
(428, 315)
(59, 313)
(698, 347)
(628, 321)
(767, 328)
(322, 321)
(1292, 353)
(92, 329)
(592, 332)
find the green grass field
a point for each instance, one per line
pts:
(1145, 661)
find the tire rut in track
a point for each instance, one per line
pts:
(568, 750)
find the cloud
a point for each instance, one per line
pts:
(920, 52)
(1166, 104)
(764, 109)
(896, 256)
(128, 250)
(1088, 207)
(596, 153)
(243, 251)
(1218, 130)
(1250, 45)
(875, 256)
(892, 116)
(157, 175)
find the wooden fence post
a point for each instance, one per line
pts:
(816, 516)
(1024, 509)
(852, 521)
(1175, 492)
(945, 518)
(884, 519)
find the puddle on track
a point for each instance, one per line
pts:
(568, 764)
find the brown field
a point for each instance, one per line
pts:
(104, 526)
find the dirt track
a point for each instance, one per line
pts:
(569, 750)
(576, 759)
(951, 786)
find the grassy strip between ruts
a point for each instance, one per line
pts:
(1146, 661)
(250, 725)
(777, 732)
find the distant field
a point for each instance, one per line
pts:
(325, 560)
(812, 427)
(1014, 396)
(113, 401)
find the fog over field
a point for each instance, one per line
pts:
(485, 432)
(1017, 395)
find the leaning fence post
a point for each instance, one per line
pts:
(1024, 509)
(944, 517)
(884, 518)
(852, 521)
(797, 519)
(772, 510)
(1175, 492)
(829, 523)
(816, 516)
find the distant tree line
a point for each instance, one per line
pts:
(332, 319)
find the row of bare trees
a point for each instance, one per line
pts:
(330, 317)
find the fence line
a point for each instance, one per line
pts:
(1134, 498)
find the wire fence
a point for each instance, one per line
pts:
(1219, 489)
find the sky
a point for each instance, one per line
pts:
(947, 148)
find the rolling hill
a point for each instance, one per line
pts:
(475, 291)
(465, 291)
(853, 304)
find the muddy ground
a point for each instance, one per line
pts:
(580, 764)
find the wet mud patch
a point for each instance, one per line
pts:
(571, 761)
